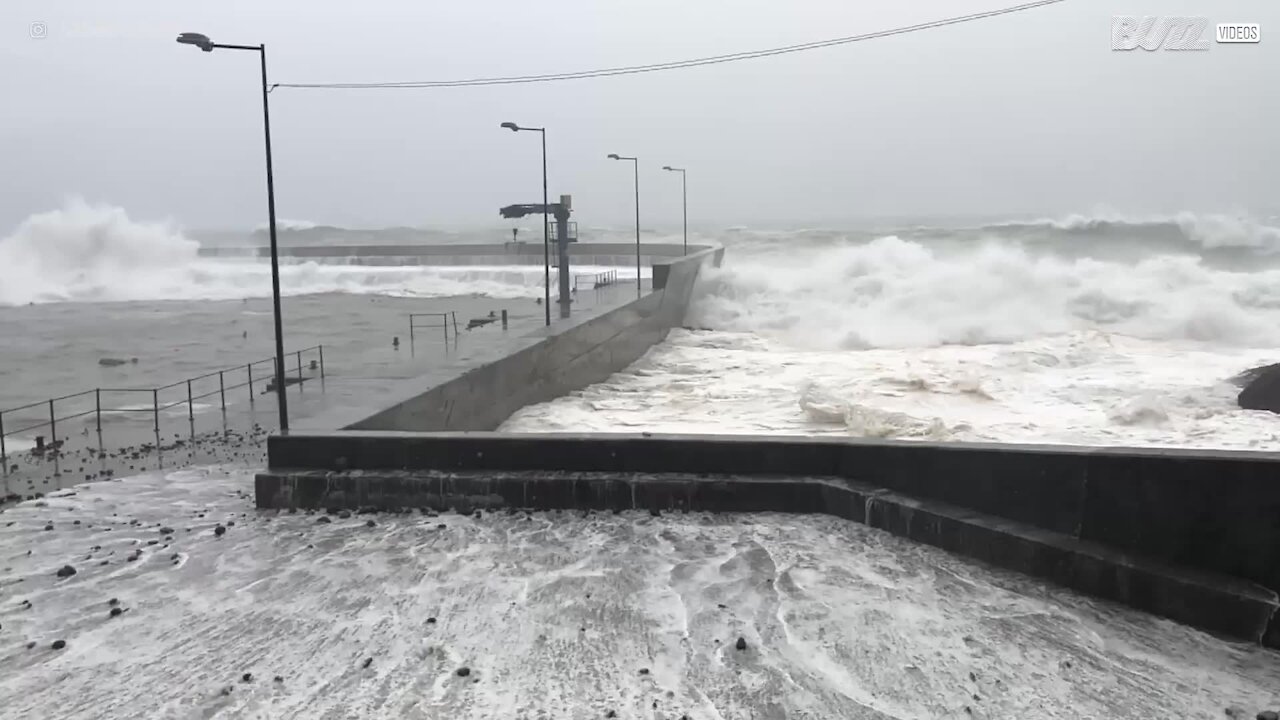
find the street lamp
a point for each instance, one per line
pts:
(684, 191)
(203, 42)
(636, 163)
(546, 241)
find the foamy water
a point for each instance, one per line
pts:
(556, 615)
(996, 340)
(97, 253)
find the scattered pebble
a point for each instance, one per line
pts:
(166, 531)
(247, 677)
(463, 671)
(368, 662)
(278, 679)
(431, 621)
(31, 644)
(115, 611)
(323, 519)
(741, 644)
(370, 523)
(48, 527)
(644, 671)
(66, 571)
(59, 644)
(219, 531)
(1268, 715)
(344, 514)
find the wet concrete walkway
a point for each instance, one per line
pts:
(555, 615)
(365, 377)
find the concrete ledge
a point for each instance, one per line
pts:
(1215, 603)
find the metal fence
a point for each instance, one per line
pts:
(596, 280)
(445, 321)
(156, 400)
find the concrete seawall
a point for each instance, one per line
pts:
(481, 391)
(1191, 536)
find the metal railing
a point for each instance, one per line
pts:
(446, 322)
(553, 234)
(596, 280)
(150, 398)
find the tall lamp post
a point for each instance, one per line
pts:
(636, 163)
(203, 42)
(684, 192)
(546, 240)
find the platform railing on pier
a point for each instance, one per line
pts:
(157, 400)
(596, 280)
(446, 322)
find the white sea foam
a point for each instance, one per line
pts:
(895, 338)
(95, 253)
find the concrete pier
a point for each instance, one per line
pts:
(1188, 535)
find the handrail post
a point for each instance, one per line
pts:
(249, 368)
(53, 424)
(4, 459)
(454, 313)
(97, 403)
(321, 349)
(222, 391)
(155, 408)
(411, 331)
(191, 408)
(299, 356)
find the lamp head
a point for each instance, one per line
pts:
(614, 156)
(201, 41)
(511, 126)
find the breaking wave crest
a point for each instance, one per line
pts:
(893, 292)
(85, 252)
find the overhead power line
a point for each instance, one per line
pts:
(675, 65)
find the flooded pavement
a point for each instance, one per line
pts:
(554, 615)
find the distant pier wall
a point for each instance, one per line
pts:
(518, 253)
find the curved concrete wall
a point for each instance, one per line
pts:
(1189, 535)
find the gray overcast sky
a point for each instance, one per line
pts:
(1027, 113)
